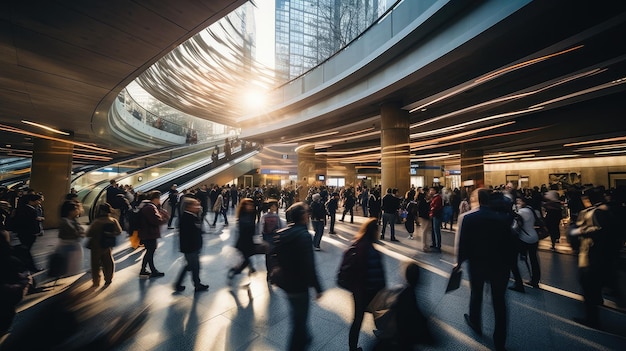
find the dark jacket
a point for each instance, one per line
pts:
(390, 203)
(26, 222)
(297, 260)
(332, 205)
(485, 240)
(370, 274)
(151, 220)
(247, 230)
(317, 211)
(190, 233)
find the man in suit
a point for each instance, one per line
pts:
(485, 241)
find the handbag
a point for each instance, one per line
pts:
(454, 282)
(134, 239)
(345, 273)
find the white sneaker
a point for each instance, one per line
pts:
(410, 237)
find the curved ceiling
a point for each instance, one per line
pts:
(536, 84)
(63, 62)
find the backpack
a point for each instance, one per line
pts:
(134, 220)
(271, 223)
(276, 272)
(345, 273)
(384, 310)
(540, 225)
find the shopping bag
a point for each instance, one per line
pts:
(454, 282)
(134, 239)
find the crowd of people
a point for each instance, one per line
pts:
(496, 229)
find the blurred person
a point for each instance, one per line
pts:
(411, 215)
(220, 207)
(104, 225)
(14, 277)
(331, 208)
(151, 218)
(246, 229)
(436, 216)
(190, 243)
(297, 264)
(28, 226)
(413, 326)
(234, 196)
(528, 243)
(318, 216)
(369, 276)
(554, 214)
(173, 200)
(423, 218)
(348, 205)
(70, 235)
(374, 204)
(600, 241)
(365, 196)
(269, 224)
(484, 241)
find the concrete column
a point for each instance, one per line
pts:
(51, 172)
(472, 166)
(396, 153)
(306, 170)
(351, 175)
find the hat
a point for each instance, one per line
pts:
(316, 197)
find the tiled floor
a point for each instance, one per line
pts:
(254, 316)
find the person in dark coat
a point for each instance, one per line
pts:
(246, 225)
(485, 241)
(298, 266)
(369, 276)
(151, 217)
(331, 208)
(28, 226)
(190, 240)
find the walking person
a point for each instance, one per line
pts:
(554, 214)
(28, 227)
(219, 208)
(246, 229)
(190, 240)
(318, 215)
(411, 216)
(151, 217)
(484, 241)
(423, 218)
(528, 243)
(436, 216)
(104, 226)
(331, 208)
(390, 206)
(269, 224)
(348, 205)
(70, 235)
(369, 276)
(297, 264)
(173, 200)
(374, 204)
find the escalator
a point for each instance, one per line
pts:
(187, 172)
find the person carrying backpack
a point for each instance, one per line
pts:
(295, 271)
(270, 222)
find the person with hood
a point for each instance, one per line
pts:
(298, 274)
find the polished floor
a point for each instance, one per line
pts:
(250, 315)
